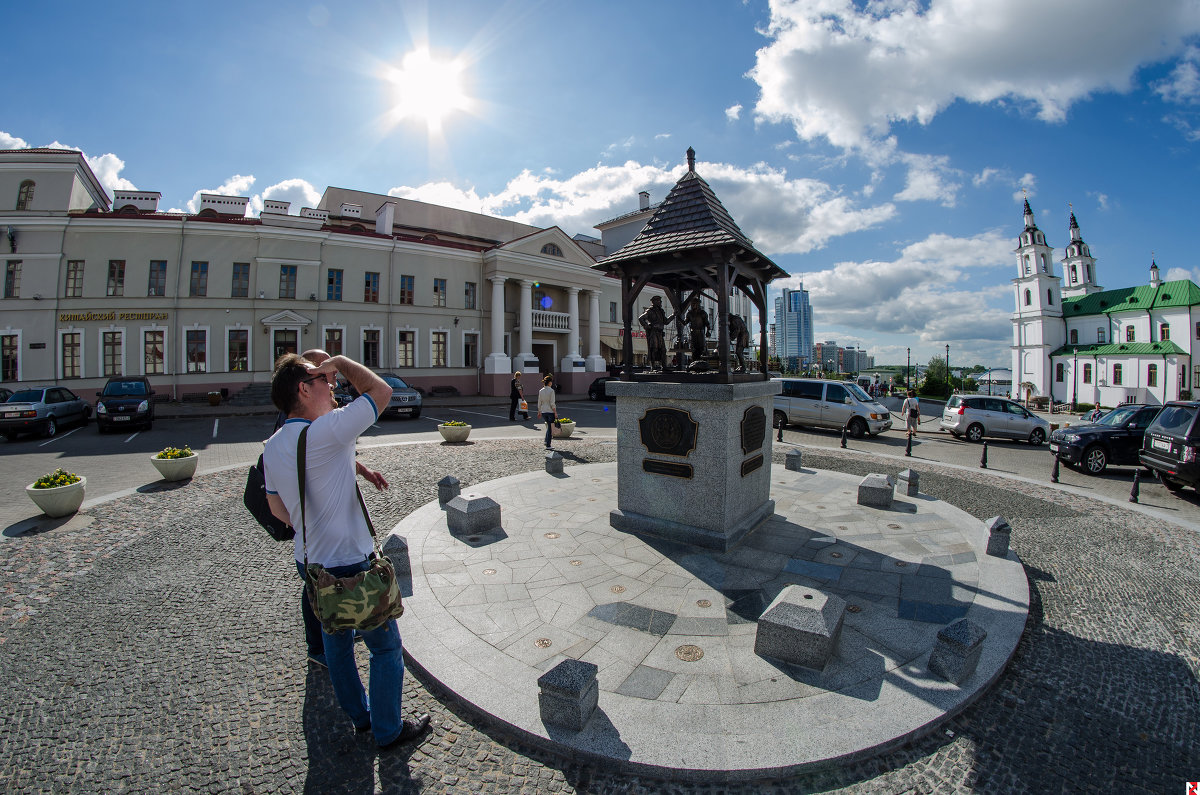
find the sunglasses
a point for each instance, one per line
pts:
(312, 378)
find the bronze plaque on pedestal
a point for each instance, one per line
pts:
(754, 429)
(667, 431)
(667, 468)
(751, 464)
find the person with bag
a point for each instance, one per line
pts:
(516, 399)
(311, 484)
(547, 407)
(911, 411)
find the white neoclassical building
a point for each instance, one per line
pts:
(96, 287)
(1077, 342)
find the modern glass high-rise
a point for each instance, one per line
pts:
(794, 326)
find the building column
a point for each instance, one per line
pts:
(497, 362)
(525, 346)
(595, 362)
(568, 363)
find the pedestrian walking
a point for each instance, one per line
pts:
(547, 407)
(911, 410)
(337, 534)
(516, 394)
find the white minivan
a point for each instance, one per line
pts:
(829, 404)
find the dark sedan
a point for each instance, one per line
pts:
(597, 392)
(1116, 438)
(125, 401)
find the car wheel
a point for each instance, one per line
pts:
(1037, 437)
(780, 420)
(11, 436)
(415, 414)
(51, 427)
(857, 428)
(975, 433)
(593, 394)
(1094, 460)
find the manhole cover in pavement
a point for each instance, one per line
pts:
(577, 563)
(853, 609)
(552, 536)
(489, 571)
(901, 563)
(703, 603)
(893, 527)
(689, 653)
(542, 643)
(835, 554)
(617, 589)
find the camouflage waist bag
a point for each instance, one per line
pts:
(366, 600)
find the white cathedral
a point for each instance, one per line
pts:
(1077, 342)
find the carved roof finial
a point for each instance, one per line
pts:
(691, 156)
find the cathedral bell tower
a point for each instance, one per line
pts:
(1079, 267)
(1038, 327)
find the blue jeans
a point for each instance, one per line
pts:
(549, 418)
(387, 672)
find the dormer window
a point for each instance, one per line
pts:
(25, 195)
(552, 250)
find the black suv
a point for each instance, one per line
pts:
(1115, 438)
(1171, 444)
(597, 391)
(125, 401)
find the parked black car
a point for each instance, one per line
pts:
(597, 392)
(5, 393)
(124, 402)
(1116, 438)
(1171, 444)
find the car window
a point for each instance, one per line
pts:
(1174, 420)
(991, 404)
(1116, 418)
(1013, 408)
(954, 402)
(26, 396)
(835, 393)
(394, 383)
(1144, 418)
(810, 390)
(858, 392)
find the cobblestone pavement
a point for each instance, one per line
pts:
(153, 643)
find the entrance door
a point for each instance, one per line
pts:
(544, 351)
(283, 340)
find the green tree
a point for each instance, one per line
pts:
(935, 377)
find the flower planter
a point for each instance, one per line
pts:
(563, 430)
(455, 433)
(60, 500)
(176, 468)
(214, 398)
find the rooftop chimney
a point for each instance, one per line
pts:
(385, 218)
(644, 200)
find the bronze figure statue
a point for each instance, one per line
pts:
(653, 321)
(699, 325)
(739, 335)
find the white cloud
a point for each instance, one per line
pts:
(662, 136)
(1183, 84)
(442, 193)
(847, 71)
(733, 112)
(1102, 200)
(616, 147)
(107, 169)
(299, 192)
(11, 141)
(1174, 274)
(929, 180)
(237, 185)
(1026, 187)
(985, 176)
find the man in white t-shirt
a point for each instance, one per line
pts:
(333, 530)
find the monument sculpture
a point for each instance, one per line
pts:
(653, 321)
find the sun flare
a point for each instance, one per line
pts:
(427, 89)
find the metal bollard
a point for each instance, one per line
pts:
(908, 447)
(983, 458)
(1137, 483)
(1054, 472)
(779, 438)
(843, 437)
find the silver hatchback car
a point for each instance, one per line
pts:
(977, 416)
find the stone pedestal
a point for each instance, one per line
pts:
(448, 489)
(875, 491)
(801, 626)
(792, 461)
(693, 460)
(471, 514)
(554, 463)
(957, 651)
(568, 694)
(907, 483)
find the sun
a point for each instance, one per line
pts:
(427, 89)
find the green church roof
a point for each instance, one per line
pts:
(1121, 349)
(1183, 292)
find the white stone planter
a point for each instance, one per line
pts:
(58, 501)
(176, 468)
(454, 433)
(563, 430)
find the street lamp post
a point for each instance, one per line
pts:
(949, 380)
(1075, 381)
(907, 368)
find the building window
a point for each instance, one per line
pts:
(470, 350)
(1074, 336)
(25, 195)
(74, 279)
(239, 350)
(552, 249)
(1152, 375)
(333, 341)
(1164, 331)
(287, 281)
(1100, 335)
(371, 288)
(439, 292)
(1116, 374)
(1129, 333)
(371, 347)
(10, 351)
(1058, 372)
(333, 285)
(407, 291)
(469, 296)
(241, 280)
(197, 351)
(116, 277)
(438, 352)
(1028, 298)
(1049, 298)
(612, 311)
(12, 279)
(72, 355)
(199, 283)
(112, 352)
(1087, 374)
(406, 349)
(153, 351)
(158, 277)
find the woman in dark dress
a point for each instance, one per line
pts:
(515, 395)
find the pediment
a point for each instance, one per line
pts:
(285, 318)
(553, 244)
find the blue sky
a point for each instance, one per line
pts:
(877, 151)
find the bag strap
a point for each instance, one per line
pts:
(301, 478)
